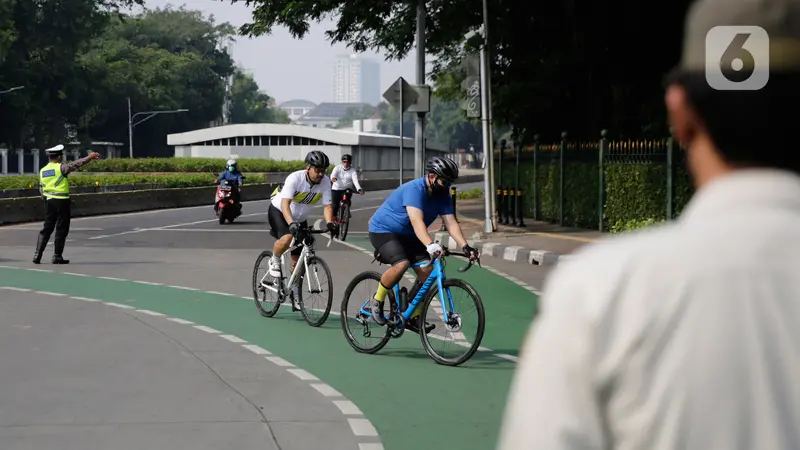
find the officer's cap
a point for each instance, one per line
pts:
(53, 150)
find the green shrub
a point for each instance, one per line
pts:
(168, 180)
(470, 193)
(621, 226)
(189, 165)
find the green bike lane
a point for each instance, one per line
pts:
(412, 401)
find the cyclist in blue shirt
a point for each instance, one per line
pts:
(399, 231)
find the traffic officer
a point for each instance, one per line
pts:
(54, 186)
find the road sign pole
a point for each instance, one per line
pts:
(487, 148)
(419, 132)
(401, 139)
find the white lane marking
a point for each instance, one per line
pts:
(54, 294)
(232, 338)
(279, 361)
(150, 313)
(362, 427)
(86, 299)
(348, 408)
(177, 225)
(302, 374)
(150, 283)
(185, 288)
(508, 357)
(212, 230)
(118, 305)
(75, 274)
(370, 446)
(257, 350)
(207, 329)
(40, 270)
(17, 289)
(326, 390)
(180, 321)
(226, 294)
(112, 278)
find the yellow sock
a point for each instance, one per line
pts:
(381, 294)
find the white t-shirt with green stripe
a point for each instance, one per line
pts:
(304, 195)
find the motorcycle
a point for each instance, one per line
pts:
(225, 207)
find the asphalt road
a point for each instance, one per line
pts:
(183, 264)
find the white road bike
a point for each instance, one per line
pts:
(266, 285)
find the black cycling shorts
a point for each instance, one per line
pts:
(278, 226)
(394, 248)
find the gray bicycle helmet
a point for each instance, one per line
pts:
(443, 167)
(347, 157)
(316, 158)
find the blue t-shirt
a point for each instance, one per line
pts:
(392, 216)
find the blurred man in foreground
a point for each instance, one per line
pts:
(687, 336)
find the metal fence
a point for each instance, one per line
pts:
(598, 184)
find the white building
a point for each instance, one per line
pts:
(296, 109)
(356, 80)
(372, 153)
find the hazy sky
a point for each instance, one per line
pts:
(284, 67)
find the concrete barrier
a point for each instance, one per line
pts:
(31, 209)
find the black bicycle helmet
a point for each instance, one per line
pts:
(347, 157)
(316, 158)
(443, 167)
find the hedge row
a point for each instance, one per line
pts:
(189, 165)
(169, 180)
(635, 195)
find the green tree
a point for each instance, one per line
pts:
(364, 112)
(250, 105)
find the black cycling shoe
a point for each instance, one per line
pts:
(376, 308)
(413, 325)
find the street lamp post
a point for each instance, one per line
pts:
(151, 114)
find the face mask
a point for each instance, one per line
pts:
(439, 190)
(231, 169)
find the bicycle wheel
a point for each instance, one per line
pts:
(260, 293)
(455, 327)
(362, 324)
(345, 221)
(318, 285)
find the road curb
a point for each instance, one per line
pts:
(513, 253)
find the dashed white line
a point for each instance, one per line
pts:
(362, 427)
(370, 446)
(185, 288)
(150, 313)
(508, 357)
(207, 329)
(279, 361)
(302, 374)
(256, 349)
(17, 289)
(232, 338)
(118, 305)
(86, 299)
(53, 294)
(75, 274)
(150, 283)
(326, 390)
(112, 278)
(40, 270)
(348, 408)
(180, 321)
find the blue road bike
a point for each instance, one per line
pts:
(359, 322)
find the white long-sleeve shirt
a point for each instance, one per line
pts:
(345, 178)
(685, 336)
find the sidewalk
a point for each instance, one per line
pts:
(537, 243)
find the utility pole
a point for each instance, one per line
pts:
(419, 138)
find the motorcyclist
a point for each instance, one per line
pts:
(234, 177)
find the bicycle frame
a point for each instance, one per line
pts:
(305, 253)
(437, 276)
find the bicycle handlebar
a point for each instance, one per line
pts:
(447, 252)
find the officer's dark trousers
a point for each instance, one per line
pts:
(57, 217)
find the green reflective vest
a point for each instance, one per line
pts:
(53, 183)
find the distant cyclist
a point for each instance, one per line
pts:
(343, 177)
(399, 231)
(290, 208)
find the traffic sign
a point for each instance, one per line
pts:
(423, 103)
(400, 89)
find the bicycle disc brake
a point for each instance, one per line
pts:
(454, 323)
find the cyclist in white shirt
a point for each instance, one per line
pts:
(291, 206)
(343, 177)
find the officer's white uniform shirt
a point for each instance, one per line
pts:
(345, 178)
(682, 337)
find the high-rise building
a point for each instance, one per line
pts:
(356, 80)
